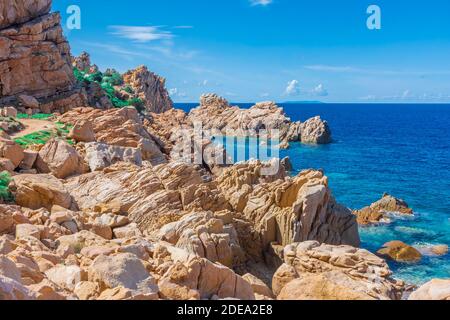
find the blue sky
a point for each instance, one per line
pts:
(254, 50)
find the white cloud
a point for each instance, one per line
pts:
(408, 96)
(320, 91)
(379, 72)
(142, 34)
(174, 92)
(293, 88)
(260, 2)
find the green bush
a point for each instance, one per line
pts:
(42, 137)
(38, 116)
(5, 194)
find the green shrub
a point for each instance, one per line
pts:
(38, 116)
(5, 194)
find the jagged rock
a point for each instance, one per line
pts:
(150, 88)
(436, 289)
(82, 131)
(215, 114)
(400, 251)
(440, 250)
(201, 234)
(40, 191)
(118, 127)
(259, 287)
(28, 230)
(87, 290)
(35, 57)
(151, 196)
(207, 278)
(315, 131)
(60, 159)
(379, 211)
(323, 272)
(100, 156)
(82, 62)
(286, 210)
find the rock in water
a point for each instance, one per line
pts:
(378, 211)
(150, 88)
(286, 210)
(323, 272)
(315, 131)
(35, 57)
(400, 251)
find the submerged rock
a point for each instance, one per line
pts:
(400, 251)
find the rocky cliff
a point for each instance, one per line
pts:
(35, 58)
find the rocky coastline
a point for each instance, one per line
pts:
(94, 204)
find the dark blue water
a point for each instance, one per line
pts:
(400, 149)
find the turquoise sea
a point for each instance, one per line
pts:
(401, 149)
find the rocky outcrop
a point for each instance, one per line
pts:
(315, 131)
(37, 191)
(150, 88)
(215, 114)
(436, 289)
(100, 156)
(400, 251)
(150, 196)
(286, 210)
(118, 127)
(322, 272)
(379, 211)
(35, 58)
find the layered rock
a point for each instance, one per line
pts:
(286, 210)
(35, 58)
(322, 272)
(118, 127)
(215, 113)
(150, 88)
(378, 212)
(151, 196)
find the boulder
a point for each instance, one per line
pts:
(150, 89)
(28, 102)
(378, 212)
(259, 287)
(436, 289)
(13, 290)
(122, 270)
(28, 160)
(315, 131)
(66, 277)
(39, 191)
(60, 159)
(15, 12)
(323, 272)
(12, 151)
(28, 230)
(400, 251)
(82, 131)
(100, 156)
(8, 269)
(9, 112)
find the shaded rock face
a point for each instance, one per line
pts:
(378, 212)
(322, 272)
(286, 210)
(35, 57)
(315, 131)
(150, 88)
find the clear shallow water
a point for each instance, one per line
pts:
(400, 149)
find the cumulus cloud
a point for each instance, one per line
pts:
(293, 88)
(141, 34)
(260, 2)
(320, 91)
(174, 92)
